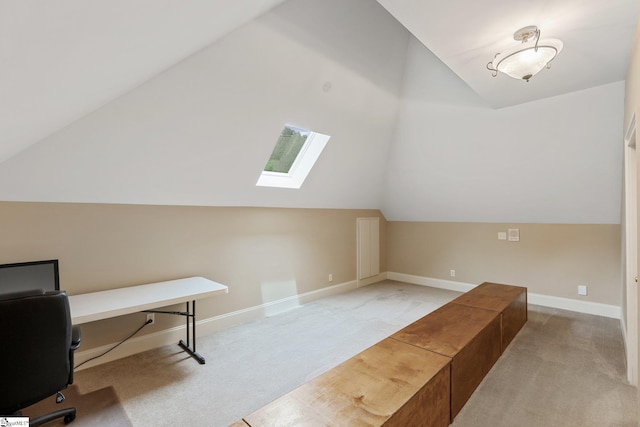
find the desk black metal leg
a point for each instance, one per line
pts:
(191, 334)
(191, 330)
(193, 353)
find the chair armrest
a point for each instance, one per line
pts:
(76, 337)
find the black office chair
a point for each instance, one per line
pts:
(36, 358)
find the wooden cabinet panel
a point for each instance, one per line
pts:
(510, 301)
(469, 335)
(472, 363)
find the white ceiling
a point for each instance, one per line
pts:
(465, 34)
(61, 60)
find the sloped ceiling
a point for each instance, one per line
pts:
(201, 131)
(59, 60)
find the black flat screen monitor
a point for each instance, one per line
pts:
(23, 276)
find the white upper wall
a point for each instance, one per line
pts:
(557, 160)
(201, 132)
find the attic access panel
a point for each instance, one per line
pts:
(292, 158)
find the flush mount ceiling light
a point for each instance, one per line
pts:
(528, 58)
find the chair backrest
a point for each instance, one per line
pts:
(35, 331)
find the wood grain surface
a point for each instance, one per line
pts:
(389, 384)
(509, 300)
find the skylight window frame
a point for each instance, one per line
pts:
(301, 166)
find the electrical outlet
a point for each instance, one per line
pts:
(152, 317)
(330, 277)
(452, 273)
(582, 290)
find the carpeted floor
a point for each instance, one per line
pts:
(563, 369)
(97, 408)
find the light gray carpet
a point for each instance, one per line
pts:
(563, 369)
(252, 364)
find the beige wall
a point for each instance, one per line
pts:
(549, 259)
(262, 254)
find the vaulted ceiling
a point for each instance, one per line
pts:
(60, 60)
(180, 102)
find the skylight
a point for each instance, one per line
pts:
(294, 155)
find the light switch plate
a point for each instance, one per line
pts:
(502, 235)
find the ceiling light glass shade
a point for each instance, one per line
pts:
(525, 61)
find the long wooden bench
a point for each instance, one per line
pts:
(420, 376)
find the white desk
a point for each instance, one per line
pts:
(94, 306)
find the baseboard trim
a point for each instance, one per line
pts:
(206, 326)
(449, 285)
(586, 307)
(373, 279)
